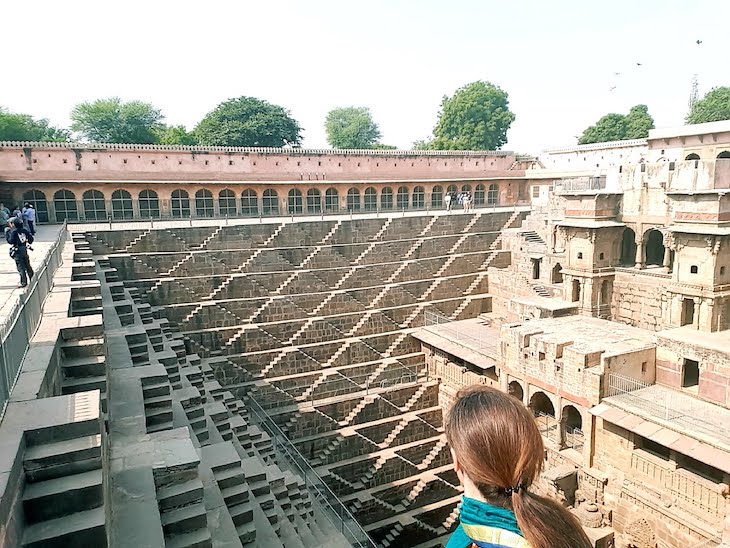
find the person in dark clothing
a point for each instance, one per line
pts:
(20, 239)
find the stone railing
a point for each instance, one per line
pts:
(291, 151)
(691, 493)
(22, 320)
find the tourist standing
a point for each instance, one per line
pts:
(20, 239)
(447, 201)
(498, 454)
(29, 216)
(4, 215)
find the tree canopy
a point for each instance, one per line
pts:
(23, 127)
(619, 127)
(248, 122)
(176, 135)
(351, 127)
(476, 117)
(114, 121)
(713, 107)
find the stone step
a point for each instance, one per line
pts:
(54, 498)
(184, 520)
(180, 494)
(82, 529)
(83, 384)
(88, 366)
(84, 348)
(199, 538)
(62, 458)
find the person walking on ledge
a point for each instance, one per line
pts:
(498, 453)
(20, 239)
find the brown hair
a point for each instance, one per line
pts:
(499, 448)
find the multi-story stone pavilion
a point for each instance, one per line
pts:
(258, 347)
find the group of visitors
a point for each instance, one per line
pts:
(464, 199)
(19, 234)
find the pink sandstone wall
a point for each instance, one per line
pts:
(152, 163)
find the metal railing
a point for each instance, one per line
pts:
(577, 184)
(216, 219)
(481, 341)
(548, 426)
(24, 317)
(683, 410)
(574, 438)
(332, 508)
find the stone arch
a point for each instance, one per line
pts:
(353, 199)
(453, 189)
(480, 193)
(437, 196)
(270, 202)
(540, 403)
(418, 199)
(94, 205)
(227, 202)
(724, 155)
(401, 198)
(314, 201)
(556, 275)
(571, 424)
(331, 200)
(628, 247)
(179, 203)
(149, 204)
(386, 198)
(370, 199)
(654, 247)
(38, 199)
(64, 202)
(249, 202)
(204, 203)
(692, 156)
(575, 291)
(466, 187)
(515, 389)
(122, 207)
(493, 194)
(295, 202)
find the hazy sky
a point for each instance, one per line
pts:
(556, 59)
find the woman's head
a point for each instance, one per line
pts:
(497, 449)
(494, 440)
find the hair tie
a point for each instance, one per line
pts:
(509, 491)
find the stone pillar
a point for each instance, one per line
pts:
(640, 254)
(667, 259)
(726, 523)
(696, 315)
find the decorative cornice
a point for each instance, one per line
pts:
(255, 150)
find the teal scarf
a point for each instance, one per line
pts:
(486, 526)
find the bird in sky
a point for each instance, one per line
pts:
(638, 64)
(617, 74)
(699, 42)
(611, 88)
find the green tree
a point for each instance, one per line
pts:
(176, 135)
(23, 127)
(422, 144)
(476, 117)
(351, 127)
(114, 121)
(618, 127)
(638, 122)
(381, 146)
(248, 122)
(713, 107)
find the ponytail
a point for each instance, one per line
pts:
(546, 524)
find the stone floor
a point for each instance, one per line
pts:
(45, 238)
